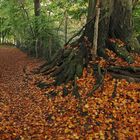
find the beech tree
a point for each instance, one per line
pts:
(114, 26)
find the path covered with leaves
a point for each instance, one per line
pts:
(29, 113)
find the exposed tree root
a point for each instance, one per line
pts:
(99, 75)
(132, 74)
(69, 62)
(120, 49)
(43, 85)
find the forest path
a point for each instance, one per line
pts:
(19, 110)
(12, 62)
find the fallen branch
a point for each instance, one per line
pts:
(79, 32)
(115, 89)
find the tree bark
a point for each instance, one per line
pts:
(91, 14)
(106, 11)
(121, 20)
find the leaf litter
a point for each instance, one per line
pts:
(28, 112)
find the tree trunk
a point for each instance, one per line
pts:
(37, 42)
(37, 7)
(106, 12)
(121, 20)
(91, 14)
(66, 24)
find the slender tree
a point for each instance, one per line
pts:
(37, 14)
(37, 7)
(66, 24)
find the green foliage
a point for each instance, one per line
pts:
(136, 17)
(18, 22)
